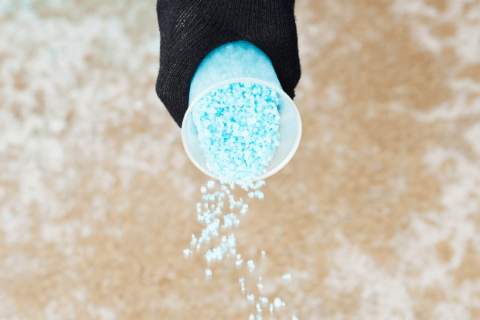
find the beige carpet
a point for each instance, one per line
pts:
(377, 216)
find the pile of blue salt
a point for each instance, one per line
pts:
(237, 128)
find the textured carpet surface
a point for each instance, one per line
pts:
(377, 216)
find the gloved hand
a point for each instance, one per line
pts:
(191, 29)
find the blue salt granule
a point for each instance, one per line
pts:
(239, 203)
(194, 241)
(238, 130)
(251, 265)
(277, 302)
(186, 253)
(259, 194)
(264, 300)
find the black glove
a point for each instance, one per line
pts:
(191, 29)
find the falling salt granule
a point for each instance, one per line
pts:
(251, 194)
(271, 308)
(263, 254)
(259, 194)
(208, 256)
(260, 285)
(208, 274)
(264, 300)
(186, 253)
(239, 256)
(250, 297)
(259, 309)
(283, 304)
(294, 318)
(259, 317)
(238, 263)
(286, 276)
(252, 317)
(259, 184)
(203, 189)
(251, 265)
(210, 184)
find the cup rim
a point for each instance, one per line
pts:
(257, 81)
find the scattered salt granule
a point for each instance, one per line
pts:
(238, 130)
(210, 184)
(259, 309)
(238, 263)
(250, 297)
(252, 317)
(251, 265)
(208, 274)
(259, 317)
(239, 256)
(271, 308)
(251, 194)
(263, 254)
(277, 302)
(294, 318)
(286, 276)
(264, 300)
(203, 189)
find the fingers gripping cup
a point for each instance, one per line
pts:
(233, 63)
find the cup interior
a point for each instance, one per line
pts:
(290, 131)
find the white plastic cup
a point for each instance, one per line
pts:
(240, 61)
